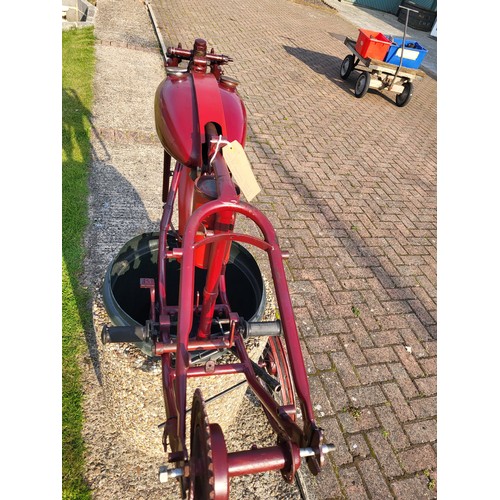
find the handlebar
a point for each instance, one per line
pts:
(407, 8)
(190, 54)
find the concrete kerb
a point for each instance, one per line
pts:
(77, 14)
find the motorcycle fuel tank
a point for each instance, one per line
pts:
(185, 102)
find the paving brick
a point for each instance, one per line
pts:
(319, 398)
(363, 338)
(331, 277)
(371, 322)
(421, 330)
(412, 341)
(332, 326)
(345, 369)
(409, 361)
(358, 446)
(401, 293)
(373, 374)
(384, 454)
(418, 459)
(323, 344)
(305, 325)
(348, 297)
(341, 455)
(352, 349)
(325, 485)
(430, 347)
(322, 362)
(386, 338)
(336, 393)
(378, 289)
(352, 483)
(424, 407)
(392, 321)
(319, 313)
(403, 380)
(308, 361)
(413, 488)
(374, 479)
(427, 386)
(366, 396)
(423, 296)
(424, 431)
(391, 425)
(355, 420)
(380, 355)
(429, 365)
(396, 307)
(401, 408)
(323, 293)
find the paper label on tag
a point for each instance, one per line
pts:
(238, 164)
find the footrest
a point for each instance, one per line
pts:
(115, 334)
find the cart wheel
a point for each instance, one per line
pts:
(404, 98)
(346, 67)
(362, 84)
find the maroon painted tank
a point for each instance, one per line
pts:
(190, 98)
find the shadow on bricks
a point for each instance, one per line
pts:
(324, 64)
(413, 312)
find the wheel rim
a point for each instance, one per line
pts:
(278, 357)
(360, 84)
(405, 95)
(345, 67)
(275, 361)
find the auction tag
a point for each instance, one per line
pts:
(238, 164)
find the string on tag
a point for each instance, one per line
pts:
(219, 142)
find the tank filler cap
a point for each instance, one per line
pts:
(176, 71)
(228, 82)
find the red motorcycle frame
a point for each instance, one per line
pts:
(198, 112)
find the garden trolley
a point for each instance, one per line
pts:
(384, 75)
(377, 74)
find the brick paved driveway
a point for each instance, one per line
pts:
(350, 185)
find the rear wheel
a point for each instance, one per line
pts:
(404, 98)
(279, 383)
(346, 67)
(275, 361)
(362, 84)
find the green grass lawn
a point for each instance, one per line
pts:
(77, 76)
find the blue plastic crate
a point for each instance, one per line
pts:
(413, 53)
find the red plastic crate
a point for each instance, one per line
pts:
(372, 45)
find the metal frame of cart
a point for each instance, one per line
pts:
(379, 75)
